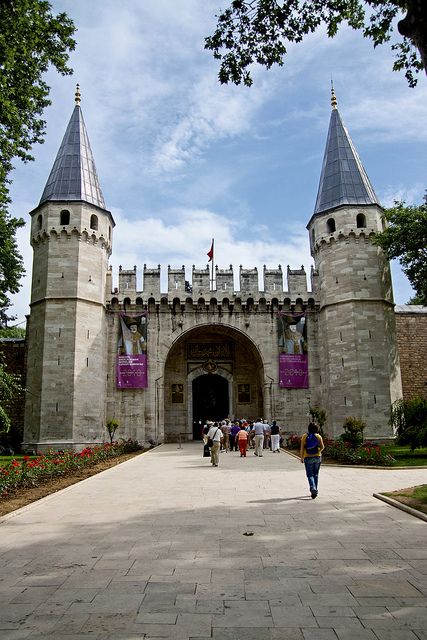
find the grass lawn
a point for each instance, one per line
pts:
(415, 497)
(406, 458)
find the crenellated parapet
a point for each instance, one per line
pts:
(225, 281)
(344, 223)
(248, 279)
(199, 290)
(297, 282)
(66, 234)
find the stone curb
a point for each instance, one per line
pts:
(402, 507)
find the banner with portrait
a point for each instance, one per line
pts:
(131, 364)
(292, 343)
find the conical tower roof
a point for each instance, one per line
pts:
(73, 175)
(343, 180)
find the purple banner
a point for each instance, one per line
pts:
(131, 367)
(293, 371)
(292, 343)
(132, 371)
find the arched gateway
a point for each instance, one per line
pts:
(212, 372)
(209, 348)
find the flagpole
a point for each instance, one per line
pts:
(213, 260)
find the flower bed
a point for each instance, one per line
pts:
(344, 452)
(31, 472)
(368, 453)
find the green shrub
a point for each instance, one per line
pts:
(353, 431)
(318, 416)
(112, 426)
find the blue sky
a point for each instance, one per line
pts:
(182, 159)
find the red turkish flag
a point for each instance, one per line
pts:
(211, 252)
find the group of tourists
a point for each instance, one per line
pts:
(239, 435)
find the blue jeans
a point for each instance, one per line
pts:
(312, 466)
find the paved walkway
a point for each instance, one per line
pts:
(156, 548)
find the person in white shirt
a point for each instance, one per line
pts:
(259, 429)
(216, 435)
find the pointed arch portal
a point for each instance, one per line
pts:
(211, 373)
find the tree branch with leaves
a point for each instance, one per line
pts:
(405, 238)
(259, 31)
(32, 39)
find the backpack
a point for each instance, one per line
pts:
(311, 444)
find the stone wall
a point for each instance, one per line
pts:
(411, 329)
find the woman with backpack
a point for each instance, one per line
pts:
(311, 455)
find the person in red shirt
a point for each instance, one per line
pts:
(242, 439)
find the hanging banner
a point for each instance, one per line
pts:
(292, 343)
(131, 365)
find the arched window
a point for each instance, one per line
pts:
(330, 225)
(64, 217)
(361, 221)
(39, 222)
(94, 222)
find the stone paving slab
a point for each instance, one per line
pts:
(157, 547)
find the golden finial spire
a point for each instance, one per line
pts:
(333, 96)
(77, 95)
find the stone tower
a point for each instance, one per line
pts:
(359, 373)
(71, 236)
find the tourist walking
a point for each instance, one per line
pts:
(259, 430)
(242, 439)
(233, 433)
(275, 437)
(215, 435)
(225, 428)
(311, 455)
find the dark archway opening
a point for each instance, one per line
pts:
(210, 401)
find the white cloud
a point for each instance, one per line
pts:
(188, 238)
(412, 195)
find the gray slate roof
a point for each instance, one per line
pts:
(343, 179)
(73, 176)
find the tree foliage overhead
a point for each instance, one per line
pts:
(406, 239)
(31, 40)
(259, 31)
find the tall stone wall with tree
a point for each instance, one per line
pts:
(411, 329)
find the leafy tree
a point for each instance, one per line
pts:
(318, 416)
(9, 387)
(31, 40)
(406, 238)
(12, 332)
(112, 426)
(260, 30)
(409, 421)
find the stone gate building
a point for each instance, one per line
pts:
(162, 362)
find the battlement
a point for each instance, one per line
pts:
(64, 234)
(201, 287)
